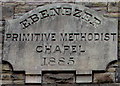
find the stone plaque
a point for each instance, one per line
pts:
(60, 37)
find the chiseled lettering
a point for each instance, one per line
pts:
(26, 37)
(83, 36)
(73, 49)
(44, 14)
(71, 36)
(66, 48)
(107, 37)
(25, 23)
(67, 11)
(53, 36)
(96, 22)
(57, 49)
(48, 49)
(8, 36)
(77, 13)
(55, 11)
(96, 36)
(52, 61)
(14, 37)
(34, 18)
(87, 16)
(90, 37)
(63, 36)
(61, 61)
(113, 34)
(39, 49)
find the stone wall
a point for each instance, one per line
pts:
(16, 9)
(13, 10)
(67, 85)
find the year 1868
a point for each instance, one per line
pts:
(62, 61)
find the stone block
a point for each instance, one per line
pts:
(7, 76)
(1, 38)
(99, 9)
(7, 12)
(1, 29)
(2, 23)
(1, 14)
(32, 78)
(118, 75)
(0, 46)
(108, 84)
(6, 67)
(84, 79)
(58, 78)
(112, 15)
(7, 82)
(95, 4)
(19, 82)
(26, 55)
(18, 15)
(113, 7)
(23, 8)
(111, 70)
(53, 84)
(104, 78)
(12, 3)
(18, 76)
(67, 85)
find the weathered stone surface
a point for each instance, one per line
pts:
(61, 25)
(32, 55)
(63, 78)
(113, 15)
(32, 78)
(2, 23)
(96, 4)
(84, 78)
(6, 67)
(118, 75)
(7, 12)
(104, 78)
(113, 7)
(1, 40)
(1, 12)
(69, 85)
(1, 28)
(23, 8)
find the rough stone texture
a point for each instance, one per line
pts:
(113, 7)
(63, 78)
(102, 7)
(104, 78)
(8, 12)
(33, 78)
(89, 58)
(68, 85)
(118, 75)
(23, 7)
(84, 78)
(10, 77)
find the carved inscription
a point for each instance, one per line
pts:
(60, 36)
(63, 11)
(65, 49)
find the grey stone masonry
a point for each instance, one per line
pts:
(13, 12)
